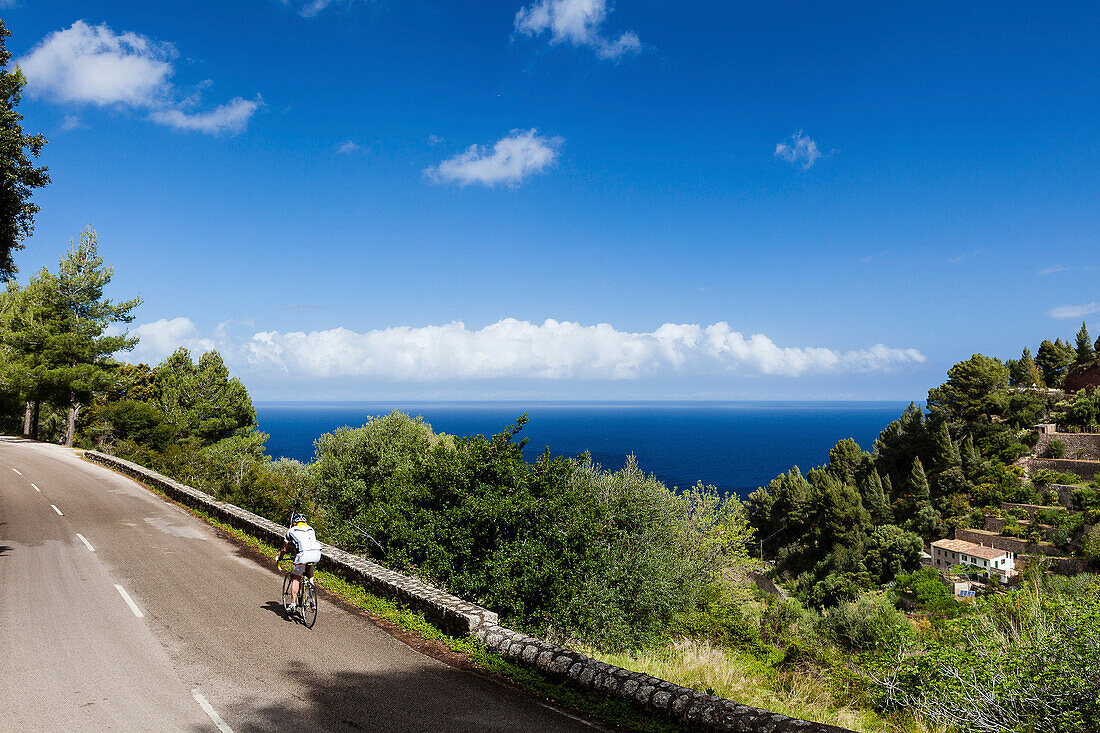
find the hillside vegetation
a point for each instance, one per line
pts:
(618, 563)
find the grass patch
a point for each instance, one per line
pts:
(749, 680)
(615, 712)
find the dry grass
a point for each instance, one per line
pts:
(737, 677)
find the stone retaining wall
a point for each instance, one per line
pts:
(1032, 508)
(1012, 544)
(1059, 565)
(689, 708)
(1085, 469)
(1087, 444)
(1065, 494)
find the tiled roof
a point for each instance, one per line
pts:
(989, 553)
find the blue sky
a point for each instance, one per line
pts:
(821, 201)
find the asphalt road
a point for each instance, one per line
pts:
(120, 611)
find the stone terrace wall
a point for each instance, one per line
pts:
(1012, 544)
(1087, 444)
(1085, 469)
(1059, 565)
(1032, 508)
(694, 710)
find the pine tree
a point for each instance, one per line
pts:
(1023, 372)
(23, 345)
(1084, 352)
(917, 487)
(1053, 358)
(946, 453)
(971, 459)
(845, 459)
(18, 175)
(78, 348)
(874, 498)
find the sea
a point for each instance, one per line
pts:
(734, 446)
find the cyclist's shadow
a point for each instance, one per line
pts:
(277, 608)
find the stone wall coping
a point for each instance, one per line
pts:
(682, 705)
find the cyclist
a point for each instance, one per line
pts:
(307, 552)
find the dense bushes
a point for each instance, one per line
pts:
(926, 591)
(1027, 661)
(556, 545)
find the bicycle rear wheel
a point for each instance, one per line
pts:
(309, 604)
(286, 590)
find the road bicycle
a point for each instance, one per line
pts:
(306, 604)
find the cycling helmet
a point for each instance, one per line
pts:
(298, 519)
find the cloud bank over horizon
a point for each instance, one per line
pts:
(512, 349)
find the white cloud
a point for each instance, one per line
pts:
(72, 122)
(311, 8)
(802, 150)
(94, 65)
(160, 338)
(349, 147)
(514, 349)
(231, 117)
(1052, 270)
(1074, 311)
(577, 22)
(513, 158)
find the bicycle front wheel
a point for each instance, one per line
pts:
(286, 591)
(309, 604)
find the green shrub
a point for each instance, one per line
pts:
(722, 626)
(925, 588)
(1024, 661)
(1056, 449)
(1053, 517)
(1046, 476)
(779, 619)
(866, 624)
(1086, 498)
(606, 557)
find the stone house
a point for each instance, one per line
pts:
(990, 560)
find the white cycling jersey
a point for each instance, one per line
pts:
(304, 541)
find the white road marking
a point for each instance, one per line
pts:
(129, 601)
(57, 510)
(36, 488)
(86, 542)
(18, 471)
(209, 710)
